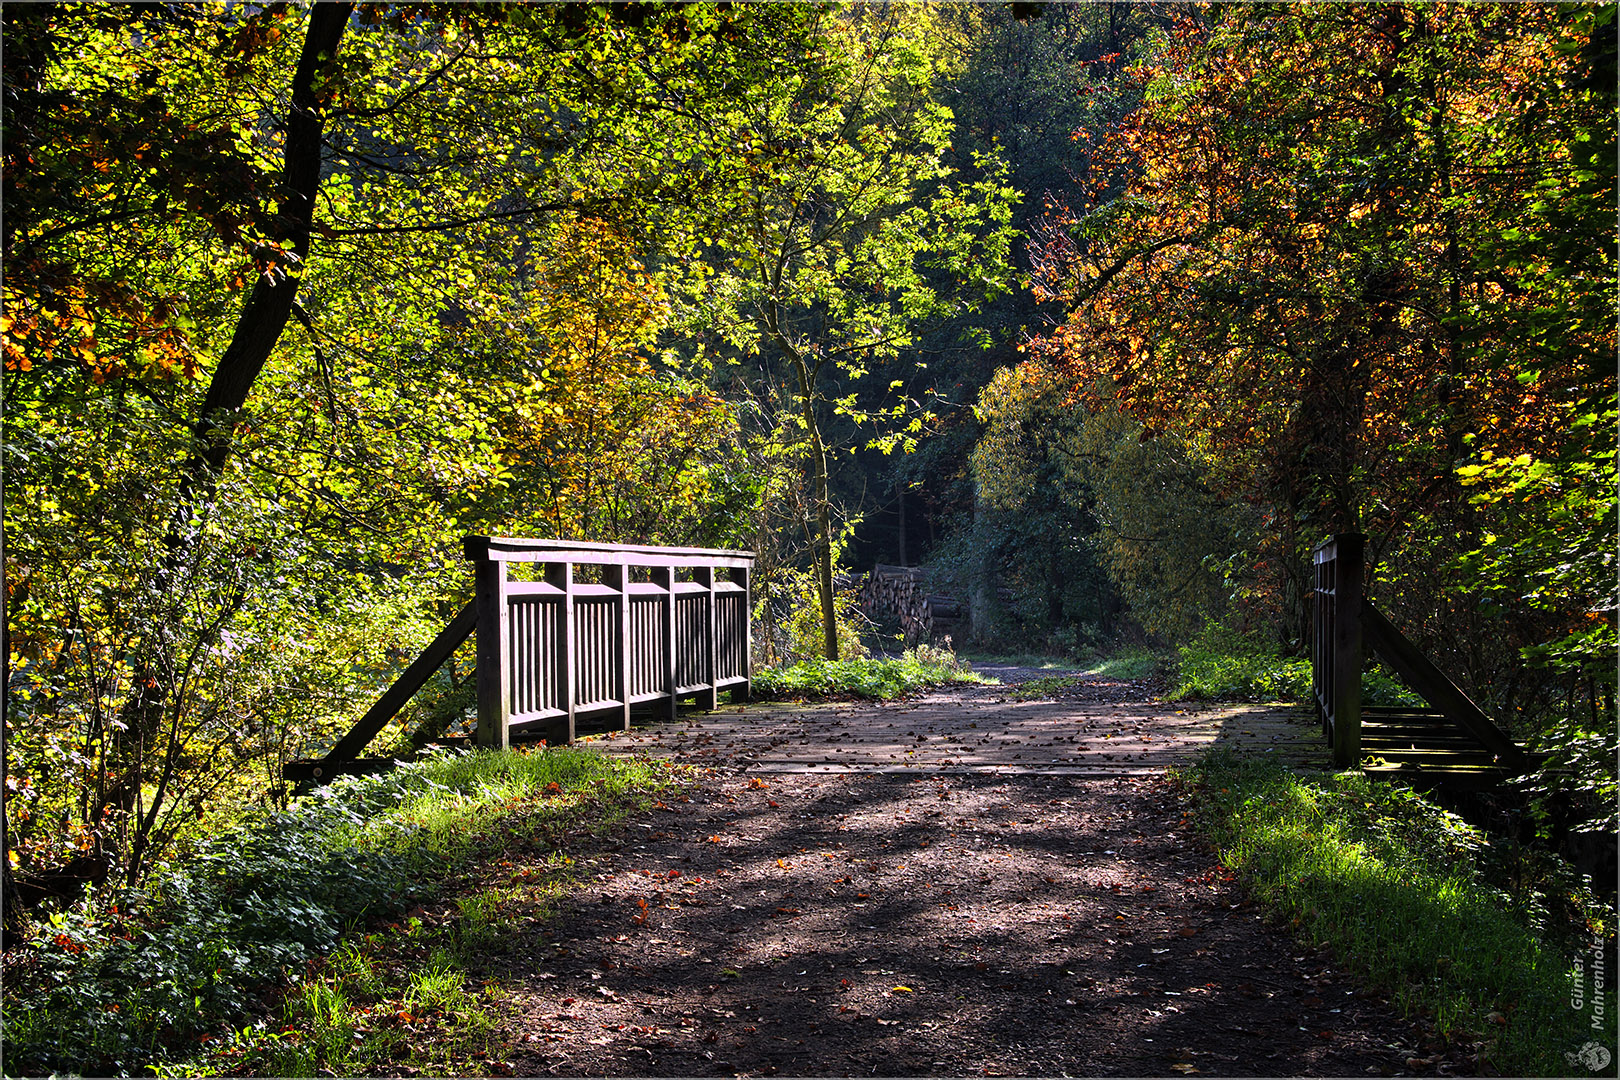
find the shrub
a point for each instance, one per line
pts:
(130, 973)
(884, 679)
(1222, 663)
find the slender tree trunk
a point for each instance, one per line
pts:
(265, 314)
(258, 329)
(822, 549)
(900, 505)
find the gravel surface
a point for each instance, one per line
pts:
(1006, 917)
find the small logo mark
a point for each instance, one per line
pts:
(1593, 1055)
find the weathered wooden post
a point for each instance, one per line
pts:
(1337, 651)
(665, 577)
(618, 577)
(708, 653)
(494, 644)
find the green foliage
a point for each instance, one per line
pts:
(879, 679)
(1385, 306)
(1129, 662)
(1077, 479)
(852, 235)
(789, 611)
(478, 299)
(139, 975)
(1223, 663)
(1393, 885)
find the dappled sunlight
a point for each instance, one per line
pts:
(906, 925)
(982, 729)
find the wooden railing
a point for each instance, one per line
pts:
(552, 650)
(660, 625)
(1336, 647)
(1344, 626)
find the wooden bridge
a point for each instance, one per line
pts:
(657, 625)
(1450, 744)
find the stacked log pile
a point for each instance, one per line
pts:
(902, 593)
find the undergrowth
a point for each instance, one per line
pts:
(1223, 664)
(145, 980)
(878, 679)
(1399, 889)
(1129, 663)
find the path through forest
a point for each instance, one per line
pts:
(960, 885)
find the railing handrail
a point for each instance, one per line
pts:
(523, 549)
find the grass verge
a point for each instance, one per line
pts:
(308, 940)
(1392, 884)
(877, 679)
(1223, 664)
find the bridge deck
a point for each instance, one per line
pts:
(977, 729)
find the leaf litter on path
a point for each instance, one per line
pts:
(1033, 925)
(876, 903)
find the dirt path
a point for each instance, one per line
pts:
(901, 912)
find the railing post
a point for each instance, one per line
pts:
(494, 693)
(745, 577)
(618, 577)
(665, 577)
(708, 699)
(561, 574)
(1347, 655)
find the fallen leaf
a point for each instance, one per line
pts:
(1184, 1068)
(904, 990)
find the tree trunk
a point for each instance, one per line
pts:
(258, 329)
(822, 549)
(265, 314)
(900, 505)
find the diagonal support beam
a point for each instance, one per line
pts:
(1419, 672)
(409, 682)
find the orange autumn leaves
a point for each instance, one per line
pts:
(601, 443)
(1294, 265)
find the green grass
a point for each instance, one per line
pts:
(1393, 885)
(1129, 662)
(172, 979)
(1222, 664)
(1019, 659)
(1042, 688)
(877, 679)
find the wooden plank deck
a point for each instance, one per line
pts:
(975, 730)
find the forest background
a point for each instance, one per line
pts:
(1106, 312)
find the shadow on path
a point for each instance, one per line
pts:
(939, 903)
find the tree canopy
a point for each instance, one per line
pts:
(1128, 304)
